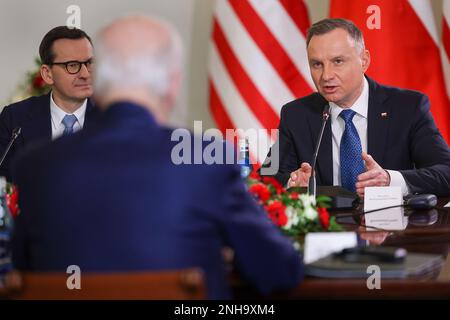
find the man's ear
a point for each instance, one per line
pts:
(46, 74)
(365, 59)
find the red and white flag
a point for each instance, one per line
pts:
(405, 49)
(257, 63)
(445, 51)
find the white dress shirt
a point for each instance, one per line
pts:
(360, 107)
(57, 114)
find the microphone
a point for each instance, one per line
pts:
(15, 134)
(416, 202)
(312, 190)
(422, 201)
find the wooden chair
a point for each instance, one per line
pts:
(155, 285)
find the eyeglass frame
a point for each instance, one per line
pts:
(65, 64)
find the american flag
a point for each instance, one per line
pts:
(257, 63)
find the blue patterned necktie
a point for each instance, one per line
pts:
(352, 163)
(68, 121)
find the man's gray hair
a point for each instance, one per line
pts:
(326, 25)
(153, 70)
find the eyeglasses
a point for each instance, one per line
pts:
(73, 67)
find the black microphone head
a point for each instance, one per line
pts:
(326, 111)
(15, 134)
(422, 201)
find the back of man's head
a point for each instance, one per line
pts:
(137, 56)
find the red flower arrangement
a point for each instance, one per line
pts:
(261, 191)
(293, 212)
(324, 217)
(33, 85)
(277, 212)
(38, 82)
(36, 85)
(12, 199)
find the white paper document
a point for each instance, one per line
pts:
(321, 244)
(387, 219)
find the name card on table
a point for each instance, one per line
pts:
(321, 244)
(382, 197)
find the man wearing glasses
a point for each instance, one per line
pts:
(67, 62)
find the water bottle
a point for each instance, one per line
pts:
(6, 224)
(244, 157)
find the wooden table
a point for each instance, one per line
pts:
(433, 238)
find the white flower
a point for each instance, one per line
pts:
(292, 216)
(310, 213)
(307, 200)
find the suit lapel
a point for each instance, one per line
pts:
(377, 122)
(377, 127)
(39, 123)
(324, 167)
(39, 126)
(91, 111)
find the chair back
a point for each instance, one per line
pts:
(155, 285)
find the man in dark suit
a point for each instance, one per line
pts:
(376, 136)
(111, 198)
(67, 60)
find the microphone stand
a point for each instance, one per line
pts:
(312, 186)
(15, 134)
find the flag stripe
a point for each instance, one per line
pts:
(232, 102)
(235, 106)
(445, 48)
(222, 119)
(446, 37)
(256, 102)
(446, 70)
(218, 111)
(299, 14)
(293, 42)
(439, 97)
(257, 63)
(425, 14)
(270, 47)
(257, 67)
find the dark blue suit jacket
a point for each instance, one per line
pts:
(33, 116)
(405, 139)
(111, 199)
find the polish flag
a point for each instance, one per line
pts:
(402, 38)
(445, 49)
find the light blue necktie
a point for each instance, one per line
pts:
(68, 121)
(352, 163)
